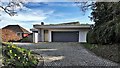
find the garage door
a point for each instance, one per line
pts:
(66, 36)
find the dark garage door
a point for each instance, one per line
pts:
(66, 36)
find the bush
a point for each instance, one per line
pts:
(18, 57)
(25, 40)
(104, 34)
(29, 38)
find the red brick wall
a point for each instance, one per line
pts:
(8, 35)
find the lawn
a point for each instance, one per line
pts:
(110, 52)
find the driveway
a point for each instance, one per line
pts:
(67, 54)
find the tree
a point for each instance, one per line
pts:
(106, 16)
(12, 6)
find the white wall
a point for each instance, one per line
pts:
(35, 37)
(82, 33)
(49, 36)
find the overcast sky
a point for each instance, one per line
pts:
(48, 12)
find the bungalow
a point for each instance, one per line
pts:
(13, 33)
(65, 32)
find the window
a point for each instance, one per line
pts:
(18, 34)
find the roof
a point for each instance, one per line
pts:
(16, 28)
(64, 25)
(70, 23)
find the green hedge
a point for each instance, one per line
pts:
(104, 34)
(18, 57)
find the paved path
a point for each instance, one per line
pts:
(67, 54)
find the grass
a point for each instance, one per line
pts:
(110, 52)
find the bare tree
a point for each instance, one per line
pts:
(84, 5)
(12, 6)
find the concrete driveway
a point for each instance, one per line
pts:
(67, 54)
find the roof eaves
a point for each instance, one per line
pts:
(24, 30)
(62, 26)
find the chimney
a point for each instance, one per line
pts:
(42, 23)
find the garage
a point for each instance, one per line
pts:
(65, 36)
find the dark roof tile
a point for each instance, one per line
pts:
(16, 28)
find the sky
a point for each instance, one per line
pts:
(47, 12)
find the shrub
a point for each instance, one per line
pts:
(25, 40)
(18, 57)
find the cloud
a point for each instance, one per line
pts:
(25, 16)
(67, 20)
(29, 17)
(63, 4)
(51, 0)
(26, 1)
(9, 22)
(37, 12)
(63, 0)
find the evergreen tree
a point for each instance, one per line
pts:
(106, 16)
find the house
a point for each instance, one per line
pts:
(65, 32)
(13, 33)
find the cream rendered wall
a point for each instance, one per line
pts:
(46, 35)
(42, 35)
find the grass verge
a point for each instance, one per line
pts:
(110, 52)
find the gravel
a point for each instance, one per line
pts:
(67, 54)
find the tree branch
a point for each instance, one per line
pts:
(7, 10)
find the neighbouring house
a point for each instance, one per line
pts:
(65, 32)
(13, 33)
